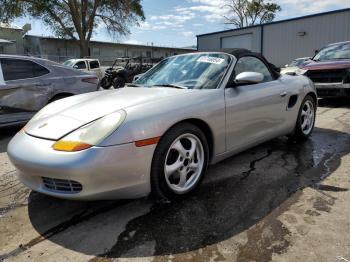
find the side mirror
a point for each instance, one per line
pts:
(286, 65)
(247, 78)
(76, 67)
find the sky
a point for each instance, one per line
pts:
(175, 23)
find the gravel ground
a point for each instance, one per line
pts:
(280, 201)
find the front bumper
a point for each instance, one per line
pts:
(332, 89)
(113, 172)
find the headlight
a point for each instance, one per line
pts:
(90, 134)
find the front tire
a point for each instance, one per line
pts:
(306, 119)
(179, 162)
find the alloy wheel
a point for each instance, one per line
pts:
(184, 163)
(307, 117)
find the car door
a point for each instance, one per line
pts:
(95, 67)
(81, 65)
(254, 112)
(24, 89)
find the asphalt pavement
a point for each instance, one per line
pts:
(280, 201)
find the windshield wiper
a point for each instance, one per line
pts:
(171, 85)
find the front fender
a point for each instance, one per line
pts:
(153, 119)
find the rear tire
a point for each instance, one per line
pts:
(179, 162)
(306, 119)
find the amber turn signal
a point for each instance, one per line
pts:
(70, 146)
(147, 142)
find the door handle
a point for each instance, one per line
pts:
(283, 94)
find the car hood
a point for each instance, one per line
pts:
(325, 65)
(62, 117)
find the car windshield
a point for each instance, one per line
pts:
(69, 63)
(298, 62)
(333, 52)
(195, 71)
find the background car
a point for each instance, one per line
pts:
(160, 135)
(27, 84)
(86, 64)
(330, 70)
(294, 65)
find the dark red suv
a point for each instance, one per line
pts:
(330, 70)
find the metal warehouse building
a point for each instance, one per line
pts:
(282, 41)
(15, 40)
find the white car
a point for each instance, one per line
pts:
(85, 64)
(294, 65)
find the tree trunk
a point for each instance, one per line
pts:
(84, 48)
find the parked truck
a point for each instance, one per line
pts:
(86, 64)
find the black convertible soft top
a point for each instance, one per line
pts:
(240, 52)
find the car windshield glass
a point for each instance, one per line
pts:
(339, 51)
(195, 71)
(297, 62)
(68, 63)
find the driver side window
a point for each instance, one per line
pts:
(253, 64)
(81, 65)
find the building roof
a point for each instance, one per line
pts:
(4, 41)
(8, 26)
(280, 21)
(105, 42)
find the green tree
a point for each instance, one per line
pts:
(242, 13)
(77, 19)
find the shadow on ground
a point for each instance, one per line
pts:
(334, 102)
(236, 194)
(5, 136)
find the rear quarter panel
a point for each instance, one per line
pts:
(299, 86)
(66, 80)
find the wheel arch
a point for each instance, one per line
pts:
(313, 95)
(206, 129)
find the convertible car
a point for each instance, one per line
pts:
(159, 134)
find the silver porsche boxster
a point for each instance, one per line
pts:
(160, 133)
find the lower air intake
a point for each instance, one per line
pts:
(62, 185)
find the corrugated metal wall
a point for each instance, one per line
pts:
(283, 42)
(213, 42)
(60, 50)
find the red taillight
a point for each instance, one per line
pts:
(91, 80)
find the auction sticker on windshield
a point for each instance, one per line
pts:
(211, 60)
